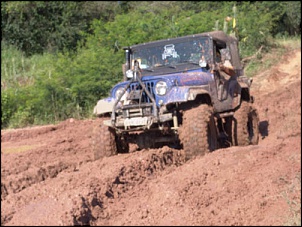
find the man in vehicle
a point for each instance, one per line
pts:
(226, 72)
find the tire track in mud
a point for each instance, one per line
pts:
(17, 134)
(94, 206)
(59, 152)
(92, 199)
(13, 184)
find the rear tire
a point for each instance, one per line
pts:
(103, 140)
(245, 126)
(198, 133)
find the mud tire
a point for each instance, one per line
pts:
(122, 145)
(103, 140)
(245, 126)
(198, 133)
(229, 129)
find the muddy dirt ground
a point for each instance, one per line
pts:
(49, 177)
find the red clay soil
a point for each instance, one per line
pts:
(49, 177)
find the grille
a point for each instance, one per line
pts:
(149, 86)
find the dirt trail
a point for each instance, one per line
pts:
(48, 176)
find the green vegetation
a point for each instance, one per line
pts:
(59, 58)
(263, 61)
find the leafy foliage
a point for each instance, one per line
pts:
(38, 26)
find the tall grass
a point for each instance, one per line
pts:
(291, 43)
(18, 76)
(13, 66)
(18, 70)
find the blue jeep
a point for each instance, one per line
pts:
(181, 99)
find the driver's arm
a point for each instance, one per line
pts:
(227, 68)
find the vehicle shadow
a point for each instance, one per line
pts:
(263, 128)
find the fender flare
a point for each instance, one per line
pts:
(194, 92)
(103, 107)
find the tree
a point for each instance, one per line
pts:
(40, 26)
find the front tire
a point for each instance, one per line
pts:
(198, 133)
(103, 140)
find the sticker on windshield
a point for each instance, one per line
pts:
(169, 52)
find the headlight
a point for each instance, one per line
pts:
(118, 92)
(161, 88)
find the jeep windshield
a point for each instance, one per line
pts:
(172, 55)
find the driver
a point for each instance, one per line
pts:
(228, 76)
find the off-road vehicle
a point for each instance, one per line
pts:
(175, 93)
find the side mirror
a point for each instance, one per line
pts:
(129, 74)
(202, 63)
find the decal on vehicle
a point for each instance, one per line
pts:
(169, 51)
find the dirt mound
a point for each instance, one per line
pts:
(86, 190)
(49, 177)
